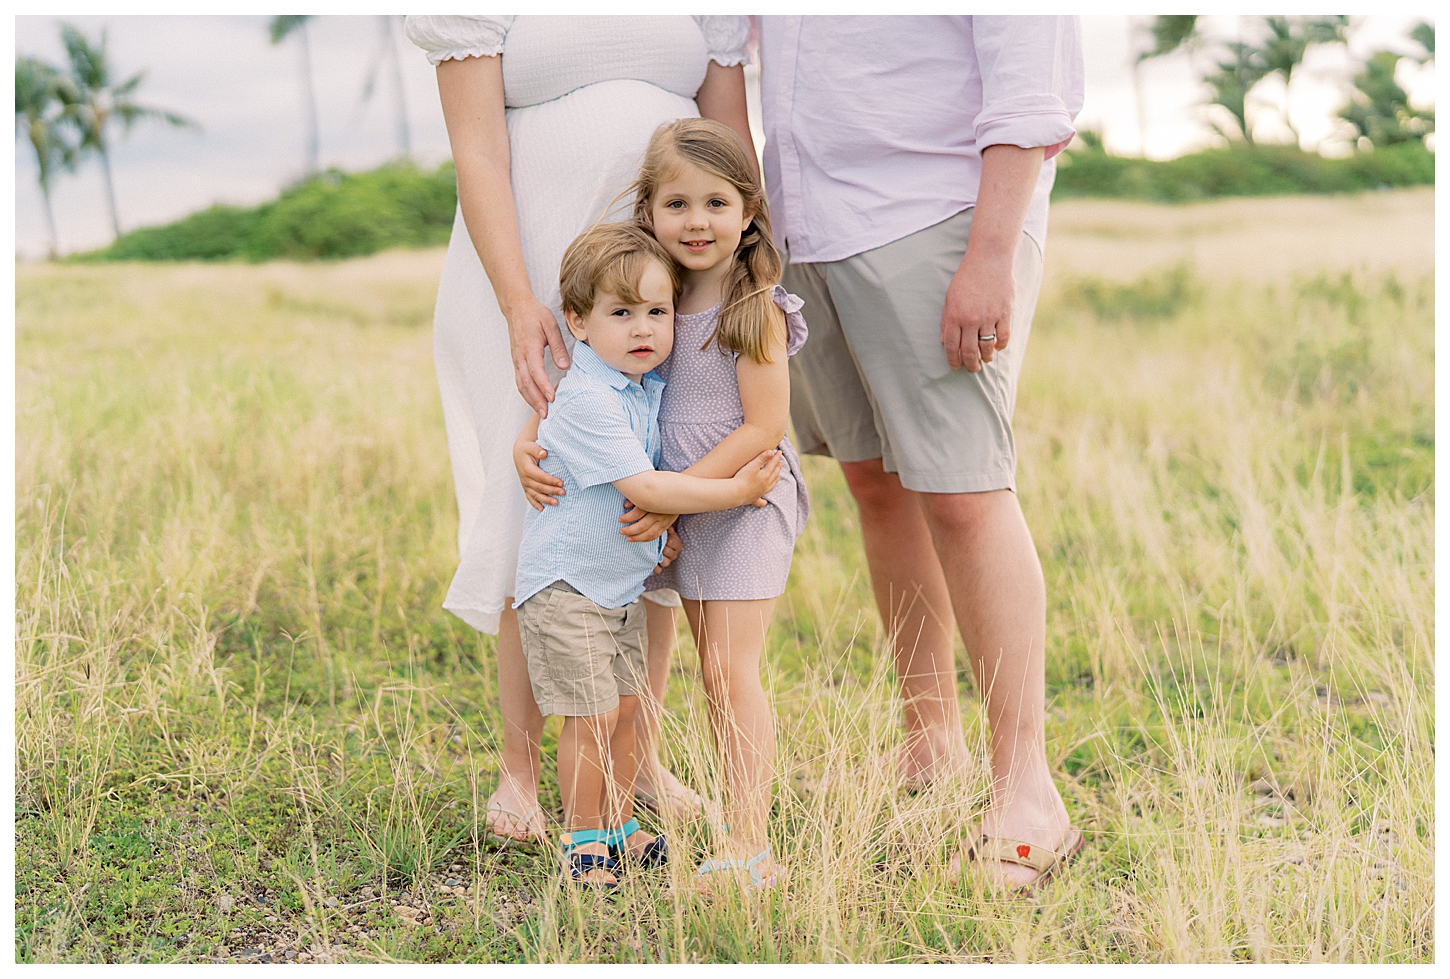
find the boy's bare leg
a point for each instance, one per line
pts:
(916, 608)
(655, 784)
(583, 762)
(624, 763)
(513, 809)
(731, 639)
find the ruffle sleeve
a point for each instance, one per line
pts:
(795, 323)
(455, 37)
(725, 38)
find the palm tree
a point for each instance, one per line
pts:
(1169, 32)
(100, 101)
(279, 29)
(1289, 38)
(41, 96)
(387, 52)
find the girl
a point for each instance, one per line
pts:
(726, 400)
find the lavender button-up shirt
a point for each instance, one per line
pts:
(875, 126)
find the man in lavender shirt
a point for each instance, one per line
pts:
(909, 162)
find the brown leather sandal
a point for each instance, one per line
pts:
(976, 845)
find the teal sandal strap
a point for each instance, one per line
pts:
(568, 841)
(619, 834)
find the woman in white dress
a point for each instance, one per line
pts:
(548, 118)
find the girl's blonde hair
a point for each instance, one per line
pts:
(749, 318)
(610, 258)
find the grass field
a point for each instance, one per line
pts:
(245, 730)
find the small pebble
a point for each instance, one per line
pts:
(330, 902)
(290, 954)
(451, 882)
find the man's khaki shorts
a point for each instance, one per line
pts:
(873, 381)
(582, 658)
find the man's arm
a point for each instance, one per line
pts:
(979, 299)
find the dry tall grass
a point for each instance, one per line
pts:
(246, 730)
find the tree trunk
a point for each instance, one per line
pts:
(1142, 108)
(110, 188)
(405, 145)
(309, 101)
(49, 219)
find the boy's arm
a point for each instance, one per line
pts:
(669, 492)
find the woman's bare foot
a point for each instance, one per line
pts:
(515, 815)
(666, 795)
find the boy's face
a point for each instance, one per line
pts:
(632, 338)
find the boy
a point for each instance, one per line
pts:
(579, 581)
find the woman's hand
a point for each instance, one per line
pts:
(673, 546)
(539, 487)
(641, 526)
(532, 327)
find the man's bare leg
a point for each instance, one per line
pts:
(655, 784)
(513, 809)
(997, 589)
(915, 606)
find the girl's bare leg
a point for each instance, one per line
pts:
(513, 808)
(731, 639)
(654, 783)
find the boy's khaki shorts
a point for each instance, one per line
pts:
(582, 658)
(873, 381)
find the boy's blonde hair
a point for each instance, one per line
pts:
(748, 316)
(610, 258)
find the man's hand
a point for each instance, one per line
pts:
(532, 327)
(641, 526)
(539, 487)
(977, 318)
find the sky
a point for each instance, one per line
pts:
(244, 92)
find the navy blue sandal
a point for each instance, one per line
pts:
(579, 864)
(656, 852)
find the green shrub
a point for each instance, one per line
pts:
(1156, 296)
(332, 215)
(1240, 171)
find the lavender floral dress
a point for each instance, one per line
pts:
(732, 555)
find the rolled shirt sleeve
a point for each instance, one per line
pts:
(588, 436)
(1032, 80)
(455, 37)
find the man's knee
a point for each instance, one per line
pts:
(875, 490)
(955, 514)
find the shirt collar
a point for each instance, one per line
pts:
(589, 364)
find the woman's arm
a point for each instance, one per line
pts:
(722, 97)
(765, 396)
(471, 90)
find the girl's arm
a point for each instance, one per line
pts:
(722, 97)
(765, 396)
(669, 492)
(471, 91)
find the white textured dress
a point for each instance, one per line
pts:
(582, 96)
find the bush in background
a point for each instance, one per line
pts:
(1239, 171)
(332, 215)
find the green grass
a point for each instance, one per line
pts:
(1240, 171)
(244, 727)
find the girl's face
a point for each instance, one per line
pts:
(698, 217)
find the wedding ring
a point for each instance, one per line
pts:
(987, 339)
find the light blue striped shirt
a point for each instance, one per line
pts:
(601, 427)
